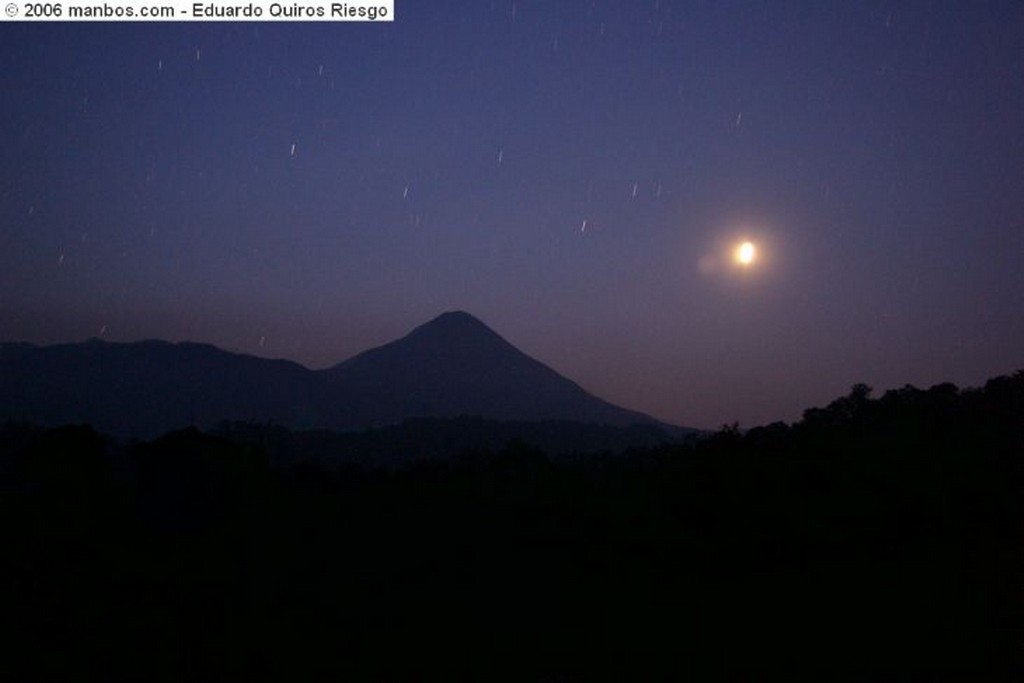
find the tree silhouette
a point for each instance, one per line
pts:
(875, 538)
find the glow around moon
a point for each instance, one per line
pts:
(741, 254)
(745, 254)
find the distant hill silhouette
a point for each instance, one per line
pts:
(150, 387)
(450, 367)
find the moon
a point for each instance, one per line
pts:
(745, 254)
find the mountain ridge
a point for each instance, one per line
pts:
(451, 366)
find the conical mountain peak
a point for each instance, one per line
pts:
(456, 318)
(456, 365)
(455, 324)
(453, 341)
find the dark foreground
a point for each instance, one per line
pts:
(875, 539)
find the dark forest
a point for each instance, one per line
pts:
(875, 539)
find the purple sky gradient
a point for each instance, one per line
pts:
(573, 177)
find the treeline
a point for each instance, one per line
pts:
(874, 539)
(420, 439)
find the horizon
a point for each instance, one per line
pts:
(875, 391)
(708, 214)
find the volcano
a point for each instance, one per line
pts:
(456, 365)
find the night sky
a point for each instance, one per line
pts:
(575, 174)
